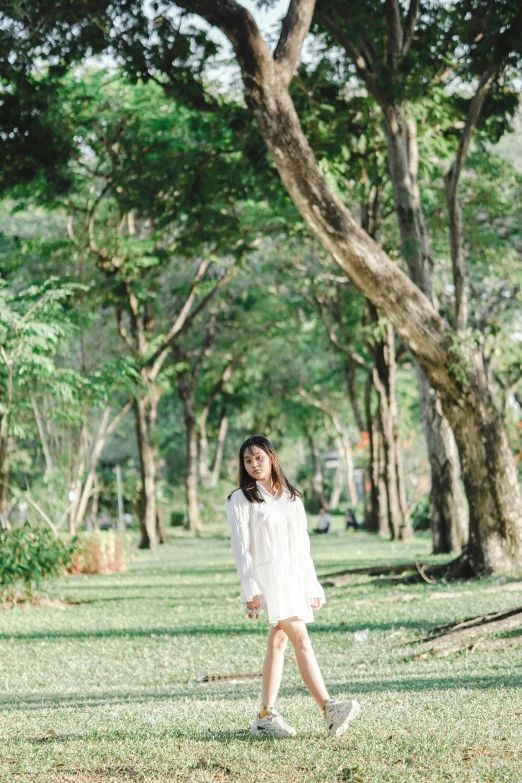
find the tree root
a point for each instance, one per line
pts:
(459, 568)
(341, 578)
(473, 635)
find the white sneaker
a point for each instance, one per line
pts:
(339, 714)
(273, 725)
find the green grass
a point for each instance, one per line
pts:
(107, 690)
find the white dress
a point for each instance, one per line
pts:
(272, 553)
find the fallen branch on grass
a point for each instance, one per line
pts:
(456, 637)
(484, 619)
(228, 677)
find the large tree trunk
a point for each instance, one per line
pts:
(220, 447)
(447, 507)
(448, 520)
(384, 383)
(488, 466)
(452, 369)
(145, 410)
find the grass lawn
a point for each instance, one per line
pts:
(107, 690)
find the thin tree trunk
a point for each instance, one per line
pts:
(43, 435)
(348, 458)
(349, 375)
(145, 410)
(104, 431)
(77, 465)
(338, 484)
(191, 462)
(203, 437)
(447, 506)
(384, 383)
(5, 453)
(95, 502)
(220, 446)
(161, 530)
(203, 446)
(384, 528)
(317, 473)
(371, 503)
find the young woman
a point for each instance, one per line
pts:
(272, 553)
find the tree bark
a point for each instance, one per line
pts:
(95, 502)
(349, 376)
(488, 467)
(5, 452)
(317, 473)
(204, 475)
(77, 464)
(145, 411)
(384, 528)
(220, 447)
(447, 506)
(43, 435)
(371, 504)
(203, 446)
(384, 383)
(161, 530)
(191, 461)
(337, 488)
(448, 520)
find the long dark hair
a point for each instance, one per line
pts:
(248, 485)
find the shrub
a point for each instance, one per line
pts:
(420, 515)
(100, 553)
(177, 518)
(28, 556)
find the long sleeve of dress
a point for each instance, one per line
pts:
(314, 588)
(238, 516)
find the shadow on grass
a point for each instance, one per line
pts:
(213, 693)
(206, 630)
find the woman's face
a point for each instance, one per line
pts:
(258, 464)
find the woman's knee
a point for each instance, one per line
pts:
(298, 635)
(278, 639)
(301, 640)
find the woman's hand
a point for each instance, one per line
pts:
(254, 607)
(316, 603)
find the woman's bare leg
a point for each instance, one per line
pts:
(306, 661)
(273, 664)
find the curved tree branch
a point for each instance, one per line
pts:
(294, 29)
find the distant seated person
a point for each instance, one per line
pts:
(351, 520)
(323, 521)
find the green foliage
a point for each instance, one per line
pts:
(459, 366)
(29, 556)
(420, 515)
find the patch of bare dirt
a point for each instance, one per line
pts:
(35, 603)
